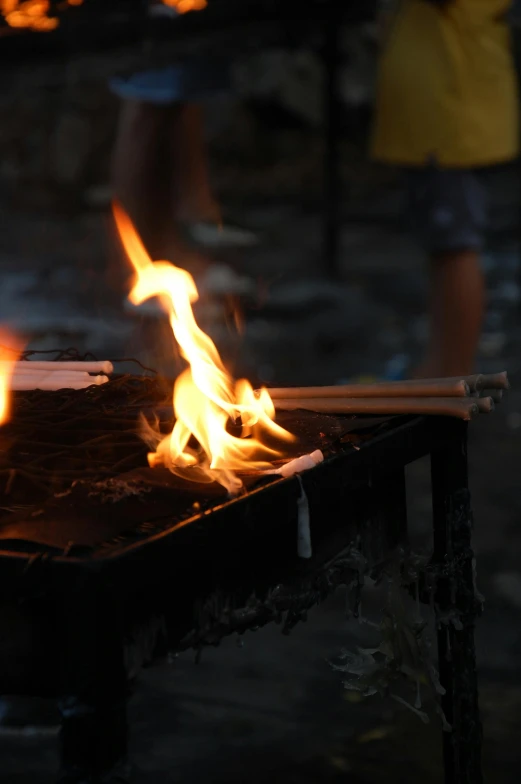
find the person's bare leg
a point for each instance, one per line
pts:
(141, 169)
(193, 199)
(456, 314)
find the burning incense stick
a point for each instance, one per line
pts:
(463, 408)
(428, 388)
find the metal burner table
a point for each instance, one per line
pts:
(86, 599)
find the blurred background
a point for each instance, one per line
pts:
(285, 304)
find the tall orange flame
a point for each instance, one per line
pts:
(206, 397)
(10, 348)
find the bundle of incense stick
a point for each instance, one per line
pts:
(50, 375)
(463, 397)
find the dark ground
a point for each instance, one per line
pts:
(275, 708)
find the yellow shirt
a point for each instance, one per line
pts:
(447, 86)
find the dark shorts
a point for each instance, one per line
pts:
(447, 208)
(192, 80)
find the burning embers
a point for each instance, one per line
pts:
(206, 398)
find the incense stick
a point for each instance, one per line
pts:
(480, 381)
(493, 381)
(485, 404)
(463, 408)
(495, 394)
(428, 388)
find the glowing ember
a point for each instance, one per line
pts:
(10, 348)
(206, 397)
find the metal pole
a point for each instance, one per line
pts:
(457, 601)
(331, 59)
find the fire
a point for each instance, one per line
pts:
(28, 13)
(10, 348)
(31, 14)
(184, 6)
(206, 397)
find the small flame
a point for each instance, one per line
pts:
(184, 6)
(31, 14)
(206, 397)
(10, 348)
(28, 13)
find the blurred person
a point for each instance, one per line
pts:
(159, 165)
(447, 108)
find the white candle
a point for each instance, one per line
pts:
(299, 464)
(21, 370)
(54, 381)
(103, 366)
(42, 375)
(294, 468)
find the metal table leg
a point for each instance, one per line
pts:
(389, 527)
(94, 689)
(458, 606)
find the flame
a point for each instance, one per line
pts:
(31, 14)
(10, 348)
(184, 6)
(206, 397)
(28, 13)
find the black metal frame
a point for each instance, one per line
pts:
(457, 598)
(332, 183)
(92, 601)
